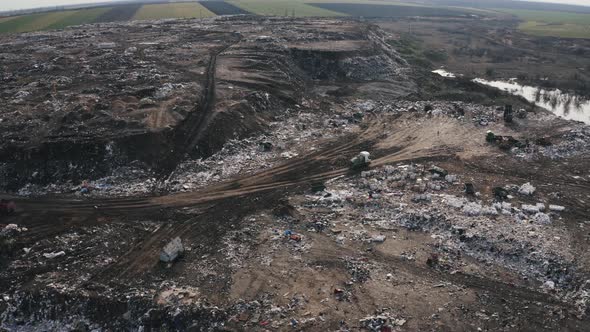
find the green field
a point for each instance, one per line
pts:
(552, 17)
(172, 10)
(79, 17)
(5, 19)
(280, 7)
(563, 30)
(535, 22)
(556, 24)
(62, 19)
(54, 20)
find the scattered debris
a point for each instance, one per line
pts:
(526, 189)
(52, 255)
(556, 208)
(172, 250)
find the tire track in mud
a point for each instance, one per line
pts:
(494, 287)
(145, 255)
(293, 175)
(189, 133)
(316, 166)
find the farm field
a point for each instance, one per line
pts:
(79, 17)
(282, 7)
(223, 8)
(386, 10)
(552, 17)
(563, 30)
(568, 24)
(172, 10)
(119, 13)
(52, 20)
(553, 23)
(5, 19)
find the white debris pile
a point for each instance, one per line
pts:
(498, 232)
(472, 209)
(566, 144)
(542, 218)
(381, 322)
(11, 229)
(526, 189)
(52, 255)
(172, 250)
(168, 89)
(572, 143)
(437, 108)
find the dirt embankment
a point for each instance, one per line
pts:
(236, 83)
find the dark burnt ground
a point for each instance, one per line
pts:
(368, 10)
(119, 13)
(223, 8)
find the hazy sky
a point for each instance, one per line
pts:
(20, 4)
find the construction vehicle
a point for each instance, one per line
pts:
(361, 161)
(7, 207)
(504, 142)
(508, 113)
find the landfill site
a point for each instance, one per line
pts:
(279, 174)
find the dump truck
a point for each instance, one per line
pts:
(360, 161)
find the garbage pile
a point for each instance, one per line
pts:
(426, 198)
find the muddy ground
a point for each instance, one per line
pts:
(235, 135)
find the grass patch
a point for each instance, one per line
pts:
(563, 30)
(5, 19)
(79, 17)
(53, 20)
(553, 23)
(282, 7)
(33, 22)
(172, 10)
(223, 8)
(552, 17)
(387, 10)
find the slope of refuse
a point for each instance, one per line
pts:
(93, 101)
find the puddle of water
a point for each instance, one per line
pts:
(567, 106)
(444, 73)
